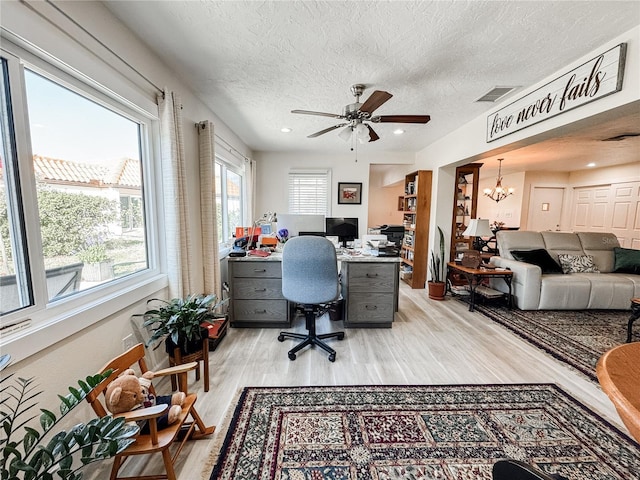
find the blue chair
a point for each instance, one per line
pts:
(310, 280)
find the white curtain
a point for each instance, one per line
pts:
(208, 213)
(249, 175)
(179, 248)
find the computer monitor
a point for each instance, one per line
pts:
(346, 229)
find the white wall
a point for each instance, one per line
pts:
(508, 210)
(383, 200)
(273, 167)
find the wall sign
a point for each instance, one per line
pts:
(590, 81)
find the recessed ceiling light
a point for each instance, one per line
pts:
(591, 164)
(285, 130)
(398, 131)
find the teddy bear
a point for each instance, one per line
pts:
(128, 392)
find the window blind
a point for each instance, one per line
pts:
(309, 192)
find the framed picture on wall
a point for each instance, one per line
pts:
(350, 193)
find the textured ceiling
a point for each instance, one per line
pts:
(252, 62)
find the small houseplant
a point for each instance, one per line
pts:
(437, 285)
(97, 264)
(179, 321)
(32, 454)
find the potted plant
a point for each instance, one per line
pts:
(45, 453)
(98, 266)
(437, 285)
(179, 321)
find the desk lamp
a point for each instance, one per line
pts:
(478, 227)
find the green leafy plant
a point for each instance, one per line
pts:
(436, 267)
(180, 319)
(32, 454)
(94, 254)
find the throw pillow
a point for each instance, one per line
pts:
(577, 263)
(627, 260)
(539, 257)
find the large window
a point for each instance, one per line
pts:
(309, 191)
(73, 207)
(228, 200)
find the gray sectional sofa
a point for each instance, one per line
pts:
(542, 285)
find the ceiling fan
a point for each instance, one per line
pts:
(357, 114)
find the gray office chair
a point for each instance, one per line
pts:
(310, 279)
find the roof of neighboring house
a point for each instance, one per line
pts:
(122, 172)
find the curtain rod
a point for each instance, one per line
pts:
(227, 145)
(160, 90)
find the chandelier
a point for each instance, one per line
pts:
(499, 192)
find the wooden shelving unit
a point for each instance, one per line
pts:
(465, 204)
(416, 208)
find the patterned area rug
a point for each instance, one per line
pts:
(578, 338)
(418, 432)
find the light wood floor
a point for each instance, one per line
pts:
(431, 342)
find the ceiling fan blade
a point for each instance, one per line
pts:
(376, 99)
(373, 136)
(322, 114)
(401, 119)
(326, 130)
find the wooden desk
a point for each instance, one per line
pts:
(369, 289)
(475, 276)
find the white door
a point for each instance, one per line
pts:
(545, 208)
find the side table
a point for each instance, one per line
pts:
(474, 277)
(635, 314)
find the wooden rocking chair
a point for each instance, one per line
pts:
(156, 440)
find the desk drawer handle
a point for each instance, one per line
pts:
(371, 307)
(259, 311)
(372, 275)
(259, 289)
(259, 270)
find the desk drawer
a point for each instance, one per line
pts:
(257, 288)
(257, 269)
(256, 311)
(370, 308)
(372, 277)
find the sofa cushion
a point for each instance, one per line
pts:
(601, 246)
(561, 242)
(577, 263)
(627, 260)
(539, 257)
(508, 240)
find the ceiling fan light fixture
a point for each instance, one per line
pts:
(362, 133)
(345, 134)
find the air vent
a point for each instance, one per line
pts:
(617, 138)
(496, 93)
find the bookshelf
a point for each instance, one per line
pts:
(416, 208)
(465, 204)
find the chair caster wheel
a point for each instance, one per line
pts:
(332, 357)
(281, 338)
(341, 336)
(292, 356)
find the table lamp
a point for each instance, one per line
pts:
(478, 227)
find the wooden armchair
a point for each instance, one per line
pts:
(156, 440)
(618, 372)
